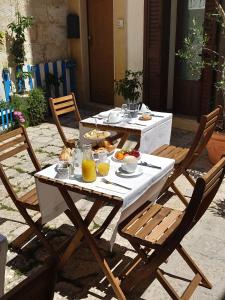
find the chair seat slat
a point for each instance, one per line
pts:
(155, 221)
(61, 99)
(13, 152)
(64, 105)
(10, 134)
(12, 143)
(65, 111)
(142, 219)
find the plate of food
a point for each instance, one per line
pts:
(121, 154)
(104, 146)
(95, 135)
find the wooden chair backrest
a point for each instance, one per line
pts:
(39, 286)
(205, 190)
(12, 143)
(61, 106)
(205, 130)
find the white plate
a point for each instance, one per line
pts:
(136, 173)
(102, 135)
(107, 122)
(104, 114)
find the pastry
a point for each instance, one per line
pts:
(65, 155)
(145, 117)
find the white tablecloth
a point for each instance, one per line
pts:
(3, 254)
(154, 134)
(52, 204)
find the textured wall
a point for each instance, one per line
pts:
(47, 40)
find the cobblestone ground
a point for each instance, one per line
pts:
(81, 277)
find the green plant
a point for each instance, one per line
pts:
(18, 31)
(130, 87)
(4, 105)
(37, 106)
(2, 35)
(197, 55)
(33, 107)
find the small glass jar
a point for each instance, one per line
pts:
(88, 165)
(75, 164)
(103, 164)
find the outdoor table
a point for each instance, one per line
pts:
(57, 195)
(151, 134)
(3, 254)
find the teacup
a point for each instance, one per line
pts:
(144, 108)
(129, 164)
(114, 117)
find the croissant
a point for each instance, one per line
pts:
(65, 154)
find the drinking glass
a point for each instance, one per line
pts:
(124, 110)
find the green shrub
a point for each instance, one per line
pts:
(33, 107)
(37, 106)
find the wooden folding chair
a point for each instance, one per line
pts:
(12, 143)
(61, 106)
(155, 231)
(39, 286)
(184, 157)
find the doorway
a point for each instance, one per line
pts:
(101, 54)
(187, 88)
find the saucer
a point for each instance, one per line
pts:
(120, 172)
(115, 122)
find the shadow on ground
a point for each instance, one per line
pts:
(218, 208)
(81, 276)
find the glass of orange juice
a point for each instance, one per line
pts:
(88, 165)
(103, 164)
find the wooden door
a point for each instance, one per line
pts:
(156, 53)
(187, 88)
(101, 62)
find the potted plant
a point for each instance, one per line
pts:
(197, 56)
(18, 29)
(130, 87)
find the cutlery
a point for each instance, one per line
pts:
(158, 116)
(145, 164)
(115, 183)
(107, 189)
(98, 117)
(134, 123)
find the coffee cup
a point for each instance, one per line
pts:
(129, 164)
(114, 117)
(144, 108)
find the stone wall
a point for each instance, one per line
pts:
(47, 39)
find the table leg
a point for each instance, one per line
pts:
(78, 235)
(123, 140)
(84, 231)
(101, 230)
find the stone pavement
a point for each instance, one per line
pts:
(81, 277)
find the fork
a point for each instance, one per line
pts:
(134, 123)
(115, 183)
(145, 164)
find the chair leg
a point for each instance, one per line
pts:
(36, 229)
(179, 194)
(22, 239)
(123, 140)
(204, 281)
(167, 286)
(189, 178)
